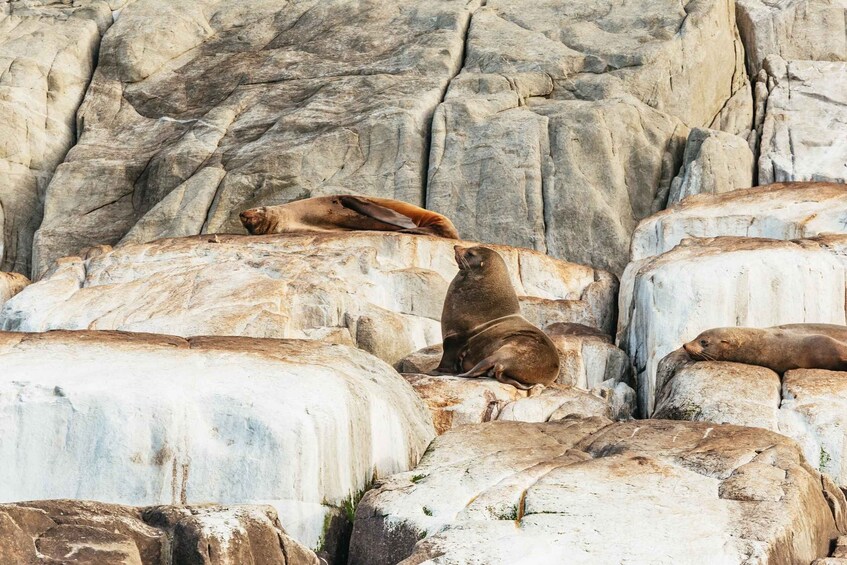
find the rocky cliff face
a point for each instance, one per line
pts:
(173, 390)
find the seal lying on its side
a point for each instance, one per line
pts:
(346, 212)
(483, 331)
(781, 348)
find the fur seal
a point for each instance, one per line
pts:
(345, 212)
(781, 348)
(483, 331)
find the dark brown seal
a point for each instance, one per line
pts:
(483, 331)
(345, 212)
(781, 348)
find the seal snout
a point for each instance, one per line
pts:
(251, 219)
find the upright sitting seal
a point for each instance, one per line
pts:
(347, 213)
(483, 331)
(781, 348)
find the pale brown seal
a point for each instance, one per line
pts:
(781, 348)
(345, 212)
(483, 331)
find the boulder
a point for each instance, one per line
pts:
(792, 210)
(47, 55)
(10, 285)
(456, 401)
(575, 120)
(557, 492)
(147, 419)
(713, 162)
(809, 406)
(701, 284)
(805, 121)
(75, 532)
(381, 292)
(793, 29)
(297, 100)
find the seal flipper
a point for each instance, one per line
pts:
(450, 357)
(377, 212)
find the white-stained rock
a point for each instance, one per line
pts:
(456, 401)
(669, 299)
(47, 56)
(574, 120)
(814, 412)
(143, 419)
(714, 162)
(200, 109)
(88, 533)
(10, 285)
(721, 392)
(805, 122)
(779, 211)
(558, 492)
(793, 29)
(382, 292)
(809, 406)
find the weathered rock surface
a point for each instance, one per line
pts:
(574, 120)
(794, 29)
(144, 419)
(92, 533)
(713, 162)
(382, 292)
(10, 285)
(510, 492)
(805, 122)
(456, 401)
(249, 103)
(669, 299)
(47, 55)
(810, 406)
(779, 211)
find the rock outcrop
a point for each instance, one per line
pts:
(714, 162)
(669, 299)
(582, 114)
(91, 533)
(792, 29)
(804, 109)
(794, 210)
(47, 56)
(381, 292)
(509, 492)
(144, 419)
(249, 103)
(456, 401)
(809, 406)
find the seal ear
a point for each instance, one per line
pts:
(377, 212)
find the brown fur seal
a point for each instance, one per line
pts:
(781, 348)
(483, 331)
(345, 212)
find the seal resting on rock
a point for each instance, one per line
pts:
(345, 212)
(781, 348)
(483, 331)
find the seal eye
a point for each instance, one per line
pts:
(704, 343)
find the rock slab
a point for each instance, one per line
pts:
(381, 292)
(74, 532)
(145, 419)
(511, 492)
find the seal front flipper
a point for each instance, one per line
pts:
(377, 212)
(450, 357)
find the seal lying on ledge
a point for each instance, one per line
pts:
(483, 331)
(346, 212)
(781, 348)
